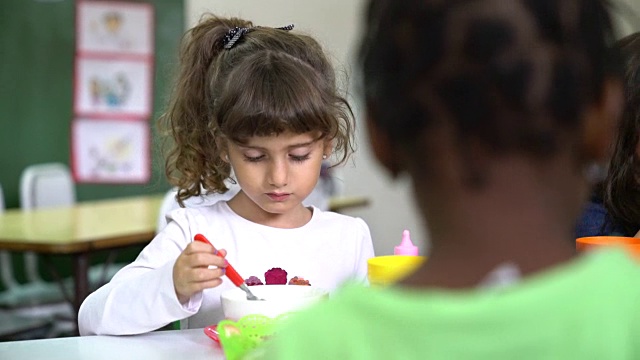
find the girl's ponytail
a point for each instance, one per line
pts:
(188, 115)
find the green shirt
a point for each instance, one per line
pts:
(586, 309)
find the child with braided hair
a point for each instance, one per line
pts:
(258, 106)
(494, 109)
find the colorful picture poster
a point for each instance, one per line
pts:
(113, 91)
(115, 28)
(111, 151)
(111, 88)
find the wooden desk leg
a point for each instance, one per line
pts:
(81, 268)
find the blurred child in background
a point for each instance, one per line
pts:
(494, 109)
(614, 207)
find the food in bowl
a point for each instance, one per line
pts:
(276, 276)
(299, 281)
(253, 281)
(278, 300)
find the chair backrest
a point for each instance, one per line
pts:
(2, 204)
(6, 266)
(46, 185)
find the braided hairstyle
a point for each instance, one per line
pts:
(514, 75)
(266, 81)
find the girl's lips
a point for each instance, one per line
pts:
(278, 196)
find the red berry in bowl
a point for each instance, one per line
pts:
(275, 276)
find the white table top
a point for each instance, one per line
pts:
(159, 345)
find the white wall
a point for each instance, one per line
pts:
(627, 16)
(335, 23)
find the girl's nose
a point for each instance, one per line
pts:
(278, 174)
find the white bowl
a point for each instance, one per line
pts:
(278, 299)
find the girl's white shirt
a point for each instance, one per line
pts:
(330, 249)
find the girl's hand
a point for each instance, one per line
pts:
(191, 273)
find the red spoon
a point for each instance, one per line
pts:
(231, 273)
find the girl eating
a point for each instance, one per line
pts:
(258, 106)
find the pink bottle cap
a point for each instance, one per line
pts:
(406, 247)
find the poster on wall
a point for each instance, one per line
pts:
(115, 28)
(110, 151)
(111, 88)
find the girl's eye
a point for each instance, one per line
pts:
(300, 158)
(253, 158)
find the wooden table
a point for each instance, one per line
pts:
(81, 230)
(159, 345)
(341, 203)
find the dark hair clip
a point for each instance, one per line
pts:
(285, 28)
(234, 34)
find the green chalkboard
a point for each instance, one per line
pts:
(37, 49)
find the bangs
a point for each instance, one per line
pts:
(273, 93)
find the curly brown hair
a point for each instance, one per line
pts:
(271, 81)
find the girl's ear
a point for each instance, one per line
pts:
(382, 147)
(601, 121)
(222, 146)
(327, 149)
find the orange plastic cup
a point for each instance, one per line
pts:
(594, 242)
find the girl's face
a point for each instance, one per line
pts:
(277, 172)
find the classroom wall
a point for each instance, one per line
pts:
(36, 77)
(627, 16)
(336, 24)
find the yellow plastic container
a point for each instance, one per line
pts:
(385, 270)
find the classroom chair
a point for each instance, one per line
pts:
(44, 186)
(13, 326)
(41, 186)
(48, 185)
(33, 293)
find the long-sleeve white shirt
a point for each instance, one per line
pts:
(328, 250)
